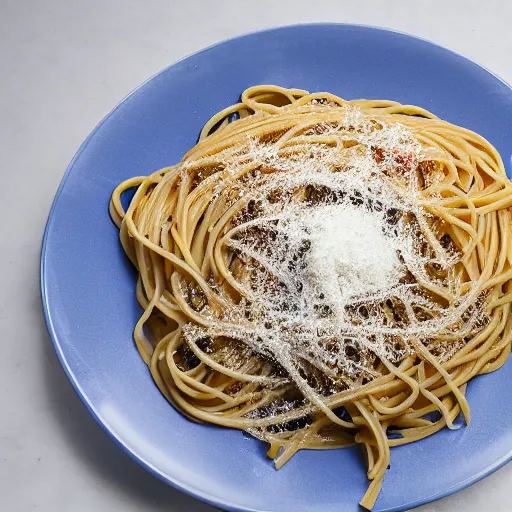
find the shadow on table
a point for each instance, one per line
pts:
(95, 450)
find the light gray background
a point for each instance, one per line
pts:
(63, 65)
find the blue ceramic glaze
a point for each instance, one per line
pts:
(88, 285)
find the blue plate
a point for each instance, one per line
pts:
(89, 287)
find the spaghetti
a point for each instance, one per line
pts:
(322, 273)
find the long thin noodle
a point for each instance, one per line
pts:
(240, 327)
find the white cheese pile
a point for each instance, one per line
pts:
(350, 253)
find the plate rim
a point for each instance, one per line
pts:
(197, 493)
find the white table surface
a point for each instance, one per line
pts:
(64, 65)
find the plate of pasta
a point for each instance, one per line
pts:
(279, 273)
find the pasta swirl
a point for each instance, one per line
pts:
(323, 273)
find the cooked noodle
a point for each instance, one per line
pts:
(321, 272)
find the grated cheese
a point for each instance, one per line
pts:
(350, 255)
